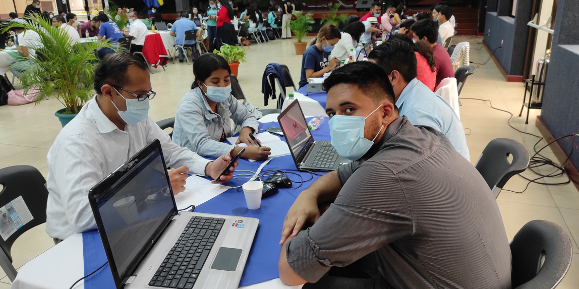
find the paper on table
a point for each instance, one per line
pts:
(316, 80)
(264, 138)
(198, 191)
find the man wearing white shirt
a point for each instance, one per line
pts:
(446, 29)
(138, 30)
(72, 33)
(107, 131)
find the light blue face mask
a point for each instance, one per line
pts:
(217, 94)
(327, 48)
(347, 133)
(130, 20)
(136, 111)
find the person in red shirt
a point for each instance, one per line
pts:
(427, 30)
(90, 28)
(224, 27)
(375, 11)
(425, 61)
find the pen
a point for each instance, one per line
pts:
(254, 139)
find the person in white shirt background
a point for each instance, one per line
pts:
(72, 21)
(138, 30)
(26, 38)
(371, 25)
(349, 40)
(59, 21)
(107, 131)
(446, 29)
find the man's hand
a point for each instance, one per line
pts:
(178, 178)
(214, 168)
(244, 137)
(304, 210)
(256, 152)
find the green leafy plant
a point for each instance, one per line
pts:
(302, 24)
(60, 68)
(122, 20)
(333, 17)
(232, 54)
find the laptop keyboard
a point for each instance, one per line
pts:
(326, 156)
(184, 262)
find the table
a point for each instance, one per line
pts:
(168, 40)
(60, 266)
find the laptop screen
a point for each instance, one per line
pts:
(133, 208)
(295, 128)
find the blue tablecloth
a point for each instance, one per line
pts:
(261, 265)
(317, 96)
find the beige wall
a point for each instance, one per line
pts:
(7, 6)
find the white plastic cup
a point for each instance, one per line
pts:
(253, 191)
(127, 208)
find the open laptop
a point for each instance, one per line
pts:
(161, 26)
(150, 244)
(308, 154)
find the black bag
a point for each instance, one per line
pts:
(5, 87)
(270, 34)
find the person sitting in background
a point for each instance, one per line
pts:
(195, 14)
(73, 22)
(33, 8)
(375, 11)
(157, 16)
(401, 9)
(26, 39)
(387, 225)
(256, 23)
(425, 61)
(204, 114)
(436, 12)
(13, 15)
(272, 17)
(394, 17)
(138, 30)
(385, 26)
(90, 28)
(405, 27)
(446, 29)
(371, 25)
(50, 15)
(107, 131)
(427, 31)
(349, 40)
(120, 12)
(178, 30)
(109, 30)
(58, 21)
(426, 15)
(414, 100)
(316, 59)
(352, 19)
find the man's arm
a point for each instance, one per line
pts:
(23, 51)
(373, 30)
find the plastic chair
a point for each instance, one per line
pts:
(125, 43)
(167, 123)
(447, 42)
(461, 74)
(189, 35)
(460, 55)
(237, 92)
(447, 89)
(28, 184)
(287, 77)
(541, 255)
(494, 165)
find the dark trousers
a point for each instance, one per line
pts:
(214, 41)
(224, 33)
(362, 274)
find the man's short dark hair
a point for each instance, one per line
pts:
(13, 15)
(113, 69)
(59, 18)
(355, 30)
(422, 16)
(376, 3)
(103, 18)
(396, 55)
(70, 16)
(426, 28)
(407, 23)
(369, 77)
(184, 15)
(35, 1)
(444, 10)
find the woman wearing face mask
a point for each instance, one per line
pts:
(315, 59)
(204, 115)
(212, 25)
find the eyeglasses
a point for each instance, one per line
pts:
(140, 97)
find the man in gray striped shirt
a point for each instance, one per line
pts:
(411, 212)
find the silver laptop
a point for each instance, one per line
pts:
(161, 26)
(150, 244)
(308, 154)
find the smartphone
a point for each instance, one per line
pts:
(275, 130)
(233, 160)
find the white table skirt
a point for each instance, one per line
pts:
(168, 40)
(60, 266)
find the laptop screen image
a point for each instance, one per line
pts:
(133, 208)
(295, 128)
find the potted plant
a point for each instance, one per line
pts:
(60, 69)
(233, 54)
(333, 17)
(300, 27)
(122, 20)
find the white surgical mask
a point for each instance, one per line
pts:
(37, 6)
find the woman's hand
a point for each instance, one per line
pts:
(333, 63)
(245, 138)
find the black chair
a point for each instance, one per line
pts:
(28, 184)
(541, 255)
(494, 164)
(189, 35)
(167, 123)
(237, 92)
(125, 43)
(287, 77)
(461, 74)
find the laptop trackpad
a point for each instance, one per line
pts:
(226, 259)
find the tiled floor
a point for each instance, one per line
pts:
(27, 132)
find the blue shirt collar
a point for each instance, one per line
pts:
(406, 92)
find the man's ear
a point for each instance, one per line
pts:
(107, 91)
(395, 77)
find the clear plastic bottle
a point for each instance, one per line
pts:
(289, 99)
(341, 63)
(352, 55)
(359, 49)
(316, 122)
